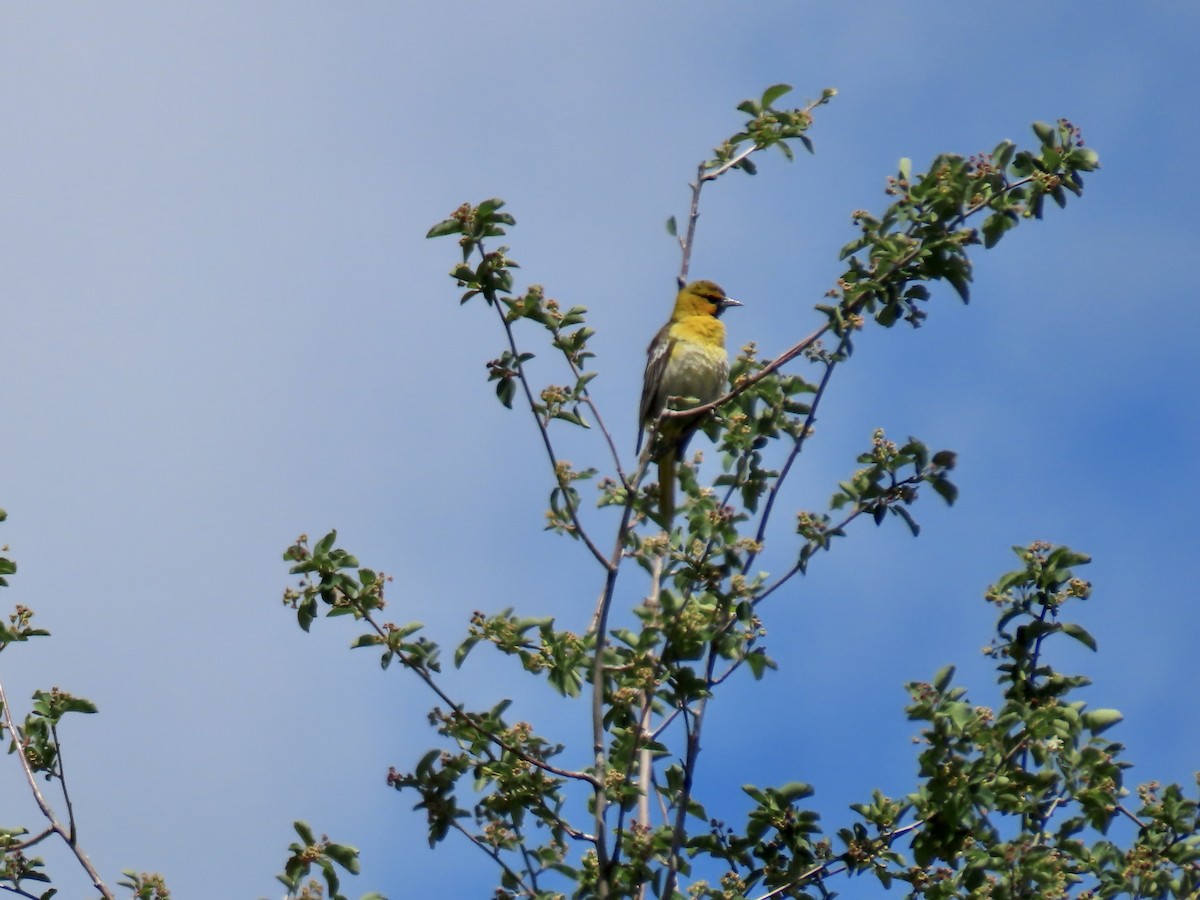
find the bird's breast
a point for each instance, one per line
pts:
(696, 371)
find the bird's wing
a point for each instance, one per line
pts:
(653, 399)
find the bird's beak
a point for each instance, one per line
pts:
(729, 301)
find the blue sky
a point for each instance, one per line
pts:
(223, 327)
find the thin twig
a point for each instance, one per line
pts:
(599, 627)
(883, 841)
(33, 841)
(640, 755)
(705, 174)
(519, 833)
(62, 781)
(1033, 664)
(809, 420)
(833, 531)
(666, 723)
(658, 795)
(744, 384)
(495, 855)
(1120, 807)
(595, 410)
(600, 614)
(645, 761)
(683, 801)
(685, 243)
(460, 711)
(67, 836)
(572, 506)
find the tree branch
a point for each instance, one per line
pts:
(68, 835)
(809, 421)
(495, 856)
(878, 844)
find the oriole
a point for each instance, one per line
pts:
(686, 359)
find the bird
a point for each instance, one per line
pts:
(686, 359)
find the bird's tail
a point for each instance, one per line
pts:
(666, 488)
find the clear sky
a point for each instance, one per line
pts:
(222, 327)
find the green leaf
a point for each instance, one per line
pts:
(306, 613)
(947, 490)
(331, 880)
(774, 92)
(1080, 634)
(346, 857)
(1003, 154)
(672, 227)
(1065, 558)
(888, 315)
(460, 653)
(573, 417)
(1044, 132)
(325, 544)
(945, 459)
(960, 284)
(942, 679)
(1086, 159)
(445, 227)
(961, 714)
(908, 519)
(1100, 720)
(754, 793)
(995, 225)
(79, 705)
(305, 832)
(918, 451)
(487, 207)
(795, 790)
(759, 662)
(506, 390)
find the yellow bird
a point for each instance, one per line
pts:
(686, 359)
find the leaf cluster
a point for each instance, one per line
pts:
(1019, 800)
(767, 126)
(36, 745)
(1015, 800)
(324, 855)
(505, 765)
(924, 234)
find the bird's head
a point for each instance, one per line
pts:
(703, 298)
